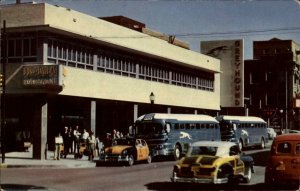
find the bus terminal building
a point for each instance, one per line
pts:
(66, 68)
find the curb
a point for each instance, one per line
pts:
(3, 166)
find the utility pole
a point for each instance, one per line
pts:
(2, 84)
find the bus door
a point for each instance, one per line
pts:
(244, 133)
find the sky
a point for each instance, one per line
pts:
(194, 21)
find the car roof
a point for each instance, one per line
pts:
(223, 146)
(290, 137)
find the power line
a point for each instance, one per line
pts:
(213, 34)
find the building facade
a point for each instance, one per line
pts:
(66, 68)
(272, 82)
(231, 56)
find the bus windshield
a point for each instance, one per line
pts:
(227, 131)
(149, 128)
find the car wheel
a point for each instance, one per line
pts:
(269, 181)
(248, 175)
(149, 159)
(130, 160)
(177, 153)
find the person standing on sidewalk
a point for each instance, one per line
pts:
(67, 141)
(77, 135)
(58, 144)
(92, 145)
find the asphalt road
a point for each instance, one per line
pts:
(154, 176)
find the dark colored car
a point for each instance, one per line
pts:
(284, 163)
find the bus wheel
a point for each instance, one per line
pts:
(241, 144)
(262, 143)
(177, 153)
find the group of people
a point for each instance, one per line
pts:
(70, 139)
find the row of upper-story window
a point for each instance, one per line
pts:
(272, 77)
(119, 64)
(24, 49)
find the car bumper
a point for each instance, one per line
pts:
(212, 180)
(114, 158)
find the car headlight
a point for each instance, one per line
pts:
(125, 152)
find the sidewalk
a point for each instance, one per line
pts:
(25, 160)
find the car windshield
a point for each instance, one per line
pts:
(203, 150)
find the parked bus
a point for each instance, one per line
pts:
(245, 130)
(171, 134)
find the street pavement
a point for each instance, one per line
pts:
(25, 160)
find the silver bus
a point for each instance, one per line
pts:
(171, 134)
(247, 131)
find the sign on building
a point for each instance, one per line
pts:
(231, 55)
(40, 76)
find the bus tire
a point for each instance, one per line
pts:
(177, 152)
(241, 144)
(262, 143)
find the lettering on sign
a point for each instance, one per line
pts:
(237, 74)
(40, 75)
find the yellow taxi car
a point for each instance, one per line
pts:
(128, 150)
(214, 162)
(283, 166)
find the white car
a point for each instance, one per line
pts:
(271, 133)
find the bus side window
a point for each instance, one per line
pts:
(203, 126)
(176, 126)
(207, 126)
(181, 126)
(187, 126)
(193, 126)
(198, 126)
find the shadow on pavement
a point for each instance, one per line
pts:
(260, 157)
(168, 186)
(21, 187)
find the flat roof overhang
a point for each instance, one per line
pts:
(91, 39)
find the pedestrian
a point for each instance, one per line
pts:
(76, 135)
(67, 141)
(114, 134)
(99, 146)
(92, 145)
(58, 146)
(85, 136)
(71, 136)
